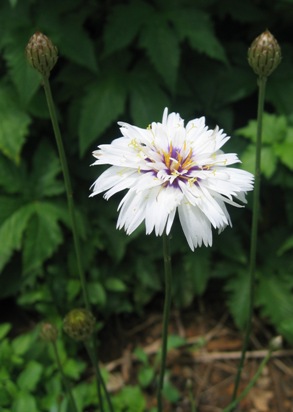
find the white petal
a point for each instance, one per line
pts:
(195, 225)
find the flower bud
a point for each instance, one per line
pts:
(79, 324)
(276, 343)
(49, 332)
(264, 54)
(41, 53)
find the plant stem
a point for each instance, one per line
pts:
(99, 378)
(254, 229)
(65, 381)
(167, 305)
(242, 395)
(68, 187)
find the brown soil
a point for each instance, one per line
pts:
(203, 369)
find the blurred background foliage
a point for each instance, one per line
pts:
(127, 60)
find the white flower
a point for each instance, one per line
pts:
(168, 167)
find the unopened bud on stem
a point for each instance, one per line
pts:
(264, 54)
(79, 324)
(49, 332)
(41, 53)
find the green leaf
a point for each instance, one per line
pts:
(4, 329)
(274, 129)
(175, 341)
(238, 288)
(130, 398)
(47, 167)
(115, 285)
(268, 160)
(24, 402)
(30, 376)
(25, 78)
(162, 47)
(101, 105)
(145, 376)
(274, 296)
(97, 294)
(136, 12)
(141, 355)
(43, 234)
(287, 245)
(171, 392)
(13, 178)
(196, 26)
(147, 98)
(14, 123)
(75, 43)
(22, 343)
(11, 232)
(284, 151)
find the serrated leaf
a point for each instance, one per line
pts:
(273, 129)
(238, 288)
(46, 168)
(194, 277)
(268, 160)
(12, 176)
(274, 296)
(136, 12)
(75, 43)
(43, 235)
(196, 26)
(147, 99)
(11, 232)
(14, 123)
(284, 150)
(101, 105)
(162, 47)
(24, 77)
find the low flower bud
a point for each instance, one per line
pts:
(264, 54)
(49, 332)
(79, 324)
(276, 343)
(41, 53)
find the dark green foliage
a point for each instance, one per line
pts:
(127, 61)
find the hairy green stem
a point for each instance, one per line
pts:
(68, 187)
(65, 381)
(99, 378)
(166, 314)
(242, 395)
(254, 230)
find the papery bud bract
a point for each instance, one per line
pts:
(79, 324)
(264, 54)
(41, 53)
(49, 332)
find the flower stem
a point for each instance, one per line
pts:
(167, 305)
(254, 230)
(242, 395)
(100, 381)
(65, 381)
(68, 187)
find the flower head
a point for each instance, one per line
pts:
(79, 324)
(168, 167)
